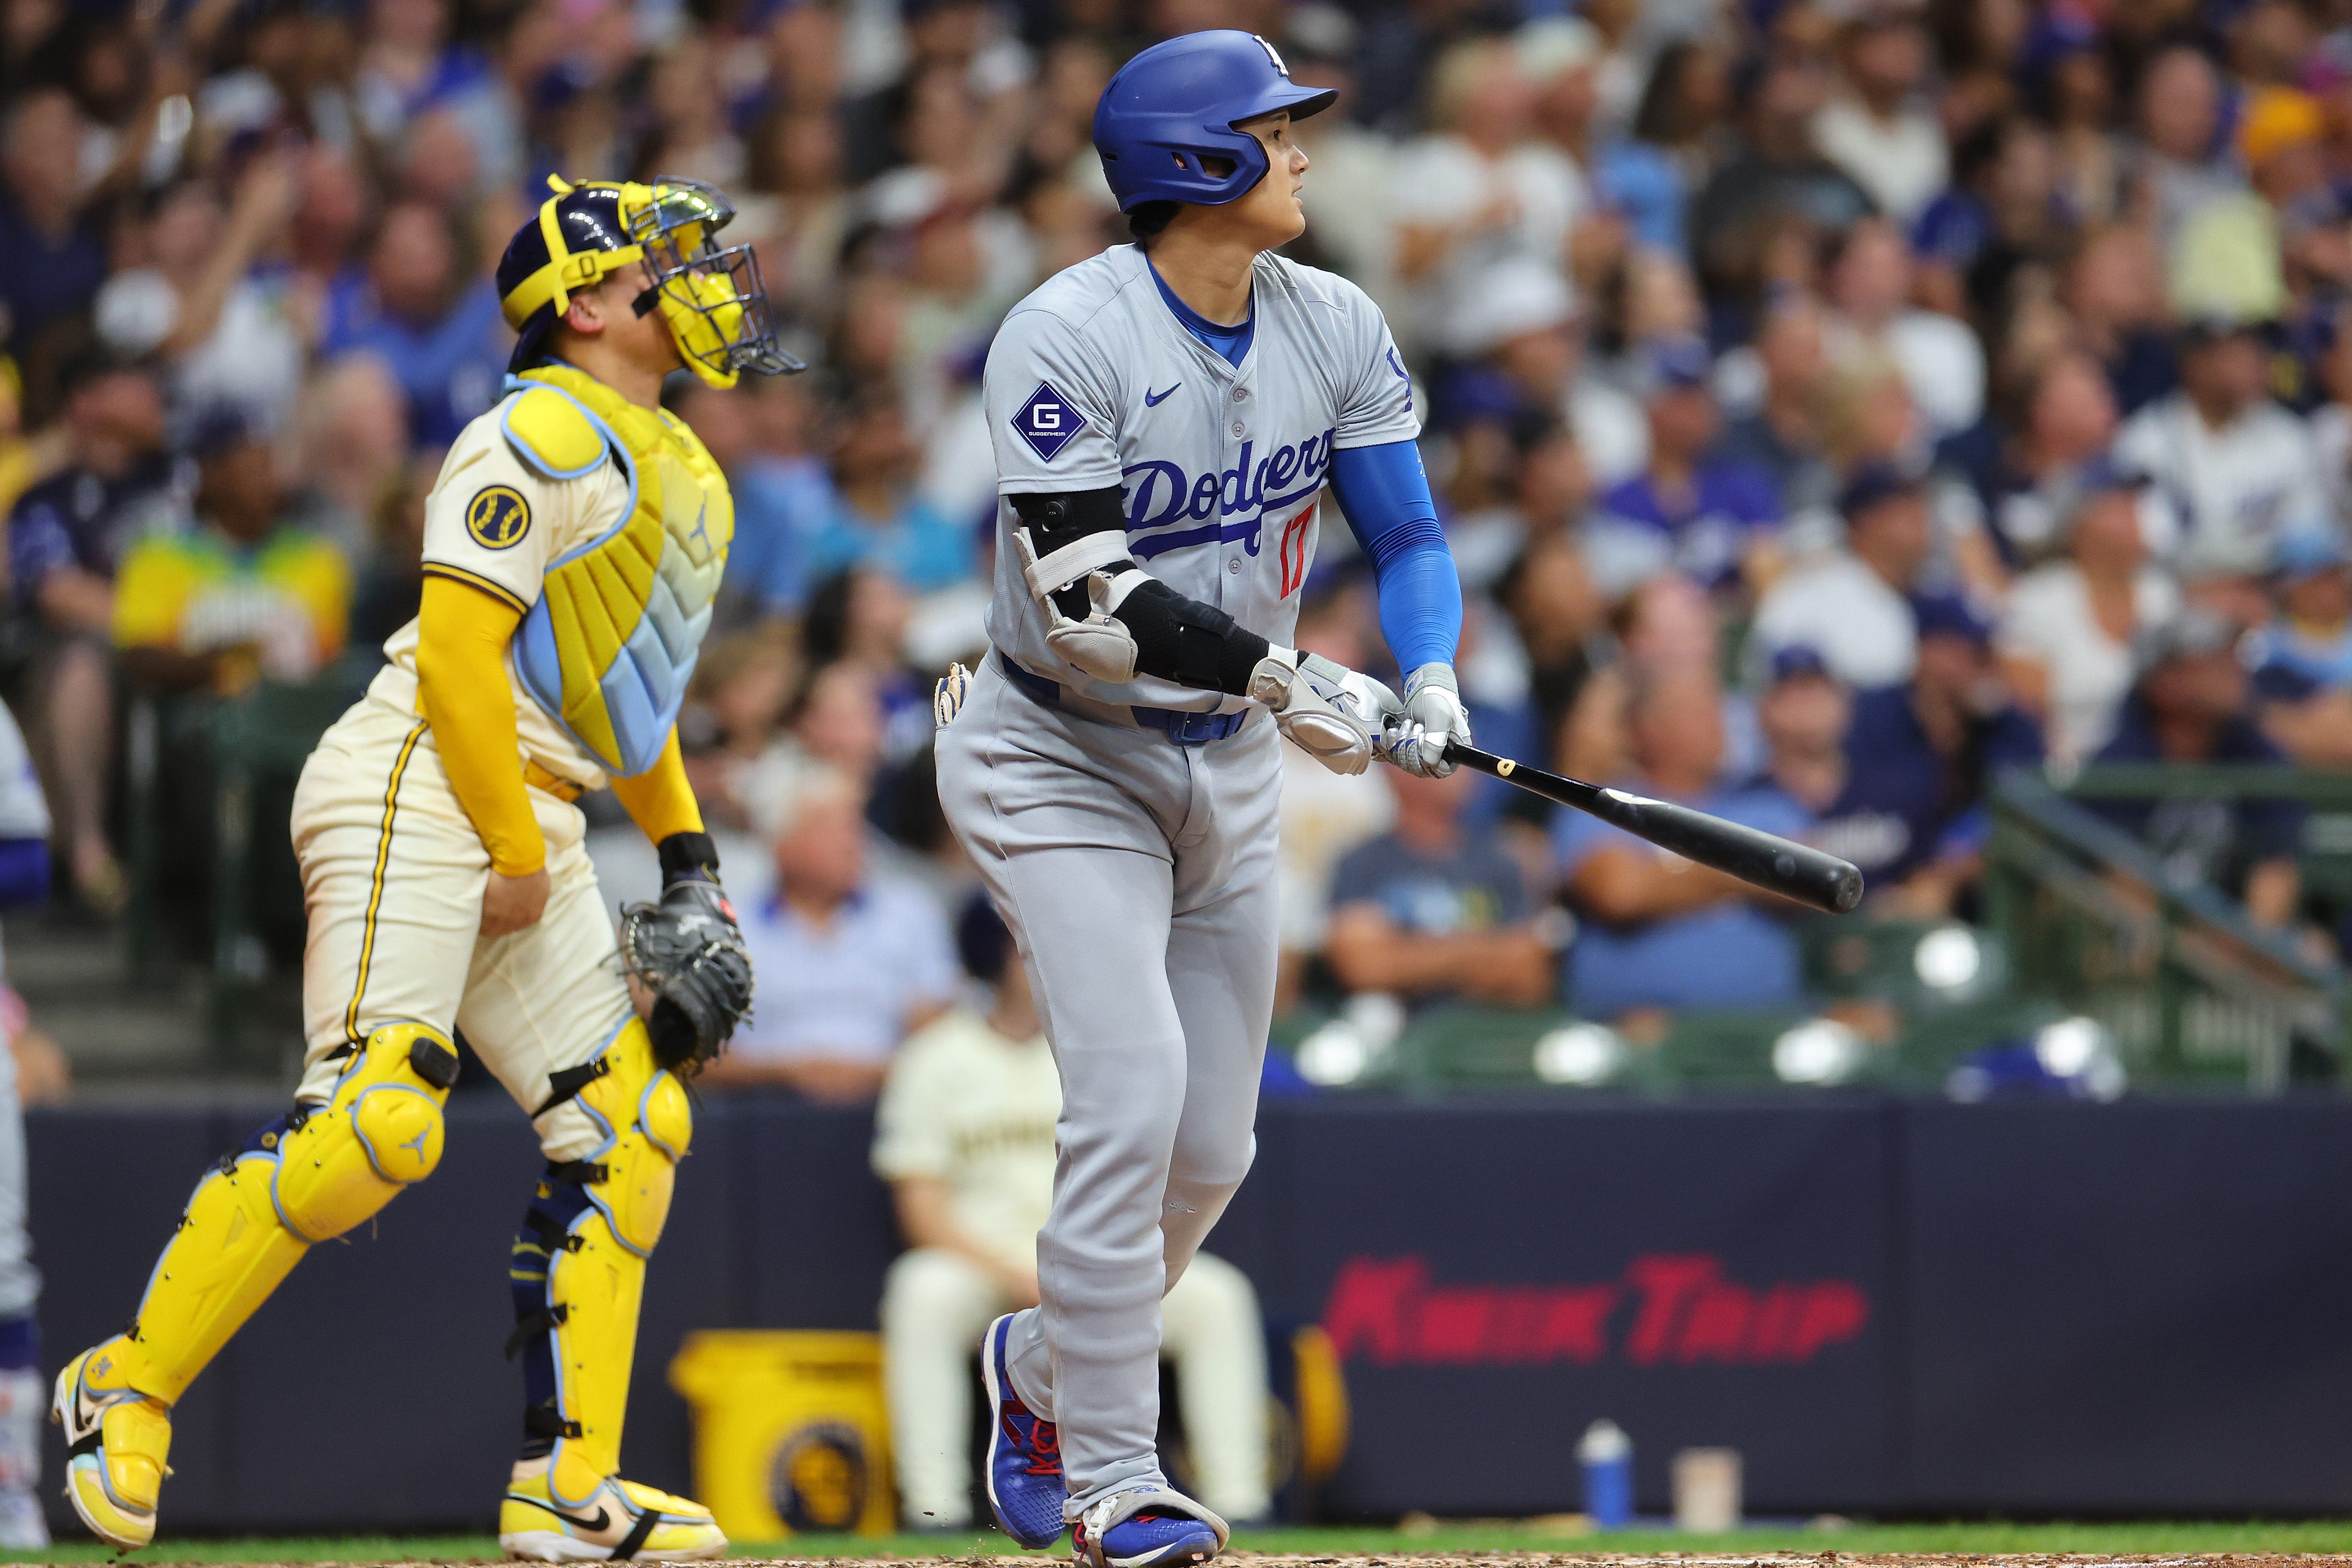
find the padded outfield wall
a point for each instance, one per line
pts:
(1888, 1307)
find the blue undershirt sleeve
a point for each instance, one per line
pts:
(1385, 495)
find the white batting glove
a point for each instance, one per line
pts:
(1334, 714)
(1433, 714)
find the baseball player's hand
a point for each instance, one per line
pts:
(1334, 714)
(1415, 740)
(511, 904)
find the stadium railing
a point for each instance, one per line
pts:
(2189, 987)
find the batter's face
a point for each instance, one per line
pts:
(1274, 211)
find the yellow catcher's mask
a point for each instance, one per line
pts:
(712, 299)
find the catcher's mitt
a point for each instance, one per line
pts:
(689, 953)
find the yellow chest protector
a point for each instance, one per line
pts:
(611, 644)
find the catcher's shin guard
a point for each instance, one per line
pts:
(306, 1177)
(579, 1265)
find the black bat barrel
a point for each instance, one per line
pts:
(1791, 869)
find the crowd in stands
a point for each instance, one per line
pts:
(1830, 403)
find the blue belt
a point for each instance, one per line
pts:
(1186, 728)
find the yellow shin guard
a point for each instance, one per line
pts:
(596, 1267)
(251, 1220)
(306, 1180)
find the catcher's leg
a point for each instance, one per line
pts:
(578, 1275)
(305, 1178)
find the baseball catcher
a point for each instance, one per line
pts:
(573, 545)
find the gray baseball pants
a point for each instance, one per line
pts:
(1138, 877)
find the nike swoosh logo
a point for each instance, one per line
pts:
(1152, 400)
(602, 1521)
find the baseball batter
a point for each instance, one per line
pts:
(571, 548)
(1166, 418)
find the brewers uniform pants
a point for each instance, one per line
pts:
(1138, 877)
(937, 1303)
(392, 874)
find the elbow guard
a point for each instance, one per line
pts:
(1076, 561)
(1070, 535)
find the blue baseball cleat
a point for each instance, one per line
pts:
(1025, 1488)
(1146, 1525)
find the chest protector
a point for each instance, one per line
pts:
(611, 644)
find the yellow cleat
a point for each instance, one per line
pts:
(621, 1520)
(116, 1440)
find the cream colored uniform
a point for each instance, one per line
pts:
(969, 1108)
(392, 869)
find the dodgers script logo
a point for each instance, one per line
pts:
(1160, 492)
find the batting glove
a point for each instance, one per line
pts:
(1432, 715)
(1334, 714)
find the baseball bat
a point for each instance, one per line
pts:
(1776, 864)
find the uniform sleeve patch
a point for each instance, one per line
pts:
(1048, 421)
(498, 516)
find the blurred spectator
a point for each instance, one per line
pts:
(1678, 135)
(226, 332)
(836, 721)
(964, 1135)
(2237, 469)
(52, 260)
(351, 447)
(2190, 704)
(782, 490)
(1803, 715)
(2024, 481)
(1477, 191)
(879, 518)
(1776, 177)
(1879, 131)
(390, 585)
(2301, 661)
(852, 960)
(1434, 910)
(2066, 636)
(1556, 614)
(2180, 166)
(1920, 762)
(2115, 290)
(1782, 435)
(2331, 422)
(239, 597)
(1852, 604)
(742, 685)
(433, 322)
(66, 539)
(1714, 520)
(1524, 324)
(1659, 932)
(1870, 291)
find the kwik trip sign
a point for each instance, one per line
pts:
(1665, 1309)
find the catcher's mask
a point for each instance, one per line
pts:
(712, 299)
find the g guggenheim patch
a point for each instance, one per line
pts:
(498, 516)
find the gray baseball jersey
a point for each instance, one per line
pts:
(1092, 382)
(1137, 873)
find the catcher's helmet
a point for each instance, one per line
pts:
(713, 300)
(1177, 102)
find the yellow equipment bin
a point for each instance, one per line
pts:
(791, 1433)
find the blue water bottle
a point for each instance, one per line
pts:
(1607, 1455)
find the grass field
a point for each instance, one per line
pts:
(2173, 1541)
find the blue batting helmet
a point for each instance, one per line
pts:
(1175, 105)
